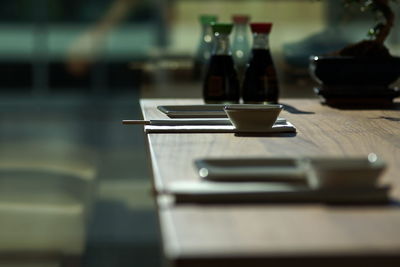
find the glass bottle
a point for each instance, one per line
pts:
(205, 46)
(260, 84)
(241, 43)
(221, 84)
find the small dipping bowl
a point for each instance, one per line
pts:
(344, 172)
(253, 118)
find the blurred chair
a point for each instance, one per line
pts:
(46, 197)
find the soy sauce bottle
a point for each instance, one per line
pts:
(205, 46)
(241, 47)
(260, 84)
(221, 83)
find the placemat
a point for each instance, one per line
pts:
(276, 129)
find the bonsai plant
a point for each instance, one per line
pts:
(374, 47)
(361, 73)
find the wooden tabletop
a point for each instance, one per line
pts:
(257, 235)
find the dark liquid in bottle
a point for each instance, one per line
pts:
(260, 83)
(221, 83)
(199, 69)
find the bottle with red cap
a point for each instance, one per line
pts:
(221, 84)
(260, 84)
(241, 43)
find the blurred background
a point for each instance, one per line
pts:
(74, 183)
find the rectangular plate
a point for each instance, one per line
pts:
(194, 111)
(285, 170)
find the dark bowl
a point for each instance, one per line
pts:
(345, 71)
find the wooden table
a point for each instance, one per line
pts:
(284, 235)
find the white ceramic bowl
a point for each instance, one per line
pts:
(344, 172)
(253, 118)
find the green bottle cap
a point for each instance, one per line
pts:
(222, 27)
(207, 19)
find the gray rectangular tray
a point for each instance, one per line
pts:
(194, 111)
(255, 170)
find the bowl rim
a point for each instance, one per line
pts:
(252, 107)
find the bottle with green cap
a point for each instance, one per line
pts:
(221, 83)
(205, 46)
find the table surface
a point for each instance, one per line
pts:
(256, 234)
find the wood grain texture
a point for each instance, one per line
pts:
(266, 232)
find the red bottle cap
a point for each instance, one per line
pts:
(261, 27)
(241, 19)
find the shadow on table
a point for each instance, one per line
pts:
(394, 106)
(388, 118)
(283, 135)
(294, 110)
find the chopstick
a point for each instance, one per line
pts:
(180, 122)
